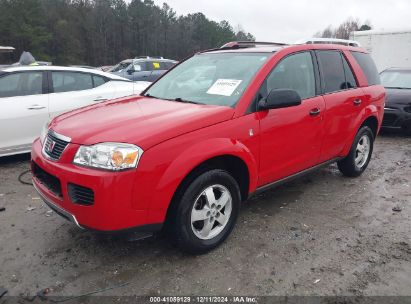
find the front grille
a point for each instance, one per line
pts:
(81, 195)
(50, 181)
(53, 146)
(389, 119)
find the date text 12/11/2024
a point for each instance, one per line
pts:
(204, 299)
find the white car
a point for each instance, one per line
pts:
(30, 96)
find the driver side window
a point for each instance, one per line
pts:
(295, 72)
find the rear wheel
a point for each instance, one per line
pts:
(206, 212)
(407, 129)
(360, 154)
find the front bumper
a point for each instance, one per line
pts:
(397, 115)
(112, 209)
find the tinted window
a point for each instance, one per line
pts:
(295, 72)
(368, 66)
(349, 75)
(155, 65)
(121, 66)
(98, 81)
(332, 71)
(71, 81)
(168, 65)
(139, 66)
(159, 65)
(21, 84)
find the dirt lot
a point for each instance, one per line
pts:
(320, 235)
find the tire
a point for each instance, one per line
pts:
(407, 129)
(204, 198)
(353, 165)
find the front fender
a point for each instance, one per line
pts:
(198, 153)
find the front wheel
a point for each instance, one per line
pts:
(206, 212)
(360, 154)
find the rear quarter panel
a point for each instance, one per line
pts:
(373, 101)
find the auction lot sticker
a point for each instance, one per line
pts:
(224, 87)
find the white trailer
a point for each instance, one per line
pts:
(388, 48)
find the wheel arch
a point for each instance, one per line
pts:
(368, 118)
(372, 123)
(234, 165)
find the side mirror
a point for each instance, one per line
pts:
(280, 98)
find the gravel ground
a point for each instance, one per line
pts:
(323, 234)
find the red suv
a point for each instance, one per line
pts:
(215, 129)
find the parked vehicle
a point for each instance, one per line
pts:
(30, 96)
(397, 82)
(389, 48)
(143, 68)
(186, 154)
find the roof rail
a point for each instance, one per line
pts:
(329, 41)
(7, 49)
(248, 44)
(148, 57)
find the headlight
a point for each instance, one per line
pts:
(44, 131)
(109, 156)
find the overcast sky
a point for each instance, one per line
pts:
(291, 20)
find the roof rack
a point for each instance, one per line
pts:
(248, 44)
(329, 41)
(148, 57)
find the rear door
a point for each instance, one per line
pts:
(72, 90)
(343, 100)
(157, 68)
(291, 137)
(23, 110)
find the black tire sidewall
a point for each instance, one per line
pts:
(349, 161)
(183, 231)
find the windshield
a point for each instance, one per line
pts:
(396, 79)
(213, 79)
(120, 67)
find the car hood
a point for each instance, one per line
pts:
(398, 96)
(137, 120)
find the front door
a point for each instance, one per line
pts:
(291, 137)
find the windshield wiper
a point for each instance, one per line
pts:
(179, 99)
(149, 96)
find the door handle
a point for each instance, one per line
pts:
(357, 102)
(315, 112)
(36, 107)
(100, 99)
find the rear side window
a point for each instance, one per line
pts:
(295, 72)
(332, 71)
(168, 64)
(349, 75)
(71, 81)
(21, 84)
(158, 65)
(98, 81)
(368, 66)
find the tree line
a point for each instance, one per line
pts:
(103, 32)
(344, 30)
